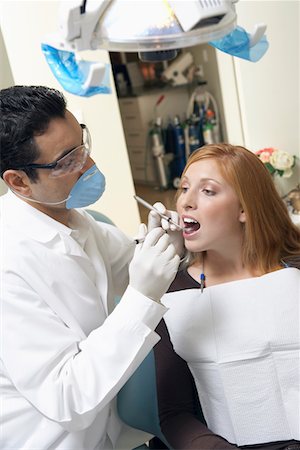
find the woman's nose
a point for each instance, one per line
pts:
(189, 201)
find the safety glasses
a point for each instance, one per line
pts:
(71, 162)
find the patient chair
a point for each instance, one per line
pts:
(100, 217)
(137, 400)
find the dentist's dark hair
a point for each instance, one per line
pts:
(26, 112)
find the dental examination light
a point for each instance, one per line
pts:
(155, 29)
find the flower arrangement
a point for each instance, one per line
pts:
(277, 161)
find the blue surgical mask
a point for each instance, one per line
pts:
(87, 190)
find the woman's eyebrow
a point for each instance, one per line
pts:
(185, 178)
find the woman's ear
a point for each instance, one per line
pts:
(242, 217)
(17, 181)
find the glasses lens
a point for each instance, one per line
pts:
(86, 137)
(72, 162)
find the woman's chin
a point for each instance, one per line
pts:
(193, 246)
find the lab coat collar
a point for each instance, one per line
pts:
(42, 227)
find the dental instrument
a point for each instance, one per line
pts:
(163, 216)
(139, 240)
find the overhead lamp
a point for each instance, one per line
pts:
(155, 29)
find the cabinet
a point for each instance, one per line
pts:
(138, 114)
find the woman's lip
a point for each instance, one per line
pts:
(185, 226)
(189, 235)
(186, 216)
(182, 222)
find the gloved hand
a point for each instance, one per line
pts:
(154, 264)
(154, 221)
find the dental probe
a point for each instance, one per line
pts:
(139, 240)
(163, 216)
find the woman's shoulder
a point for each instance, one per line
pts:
(182, 281)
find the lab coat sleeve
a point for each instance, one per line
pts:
(67, 378)
(119, 251)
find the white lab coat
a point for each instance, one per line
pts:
(64, 357)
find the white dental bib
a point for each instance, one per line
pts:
(241, 342)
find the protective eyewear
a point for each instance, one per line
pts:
(71, 162)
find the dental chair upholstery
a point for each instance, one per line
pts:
(100, 217)
(137, 400)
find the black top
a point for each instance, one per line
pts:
(180, 414)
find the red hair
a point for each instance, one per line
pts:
(270, 236)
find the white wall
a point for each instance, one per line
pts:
(273, 98)
(6, 80)
(23, 25)
(268, 90)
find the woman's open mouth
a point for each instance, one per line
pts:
(190, 225)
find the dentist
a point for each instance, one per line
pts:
(66, 350)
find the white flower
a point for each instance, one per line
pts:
(287, 173)
(282, 161)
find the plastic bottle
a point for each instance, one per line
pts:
(201, 121)
(180, 144)
(194, 142)
(208, 134)
(178, 163)
(158, 152)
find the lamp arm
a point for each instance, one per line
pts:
(78, 20)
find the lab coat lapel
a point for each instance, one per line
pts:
(100, 266)
(50, 296)
(57, 238)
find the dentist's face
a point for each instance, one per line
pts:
(209, 209)
(61, 136)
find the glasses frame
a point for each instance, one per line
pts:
(52, 165)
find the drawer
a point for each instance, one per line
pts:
(129, 106)
(136, 138)
(137, 156)
(139, 174)
(140, 156)
(132, 121)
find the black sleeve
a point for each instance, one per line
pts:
(180, 415)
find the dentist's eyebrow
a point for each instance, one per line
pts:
(67, 151)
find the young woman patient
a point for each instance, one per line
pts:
(230, 338)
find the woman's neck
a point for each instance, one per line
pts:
(219, 269)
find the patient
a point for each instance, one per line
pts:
(231, 334)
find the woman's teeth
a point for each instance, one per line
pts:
(190, 225)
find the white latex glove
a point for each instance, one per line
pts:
(154, 221)
(154, 264)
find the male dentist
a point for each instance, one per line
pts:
(66, 350)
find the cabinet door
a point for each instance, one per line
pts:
(142, 165)
(136, 138)
(130, 112)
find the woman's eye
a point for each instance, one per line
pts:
(208, 192)
(183, 189)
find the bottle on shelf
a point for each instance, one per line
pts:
(208, 127)
(178, 162)
(193, 133)
(179, 144)
(158, 152)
